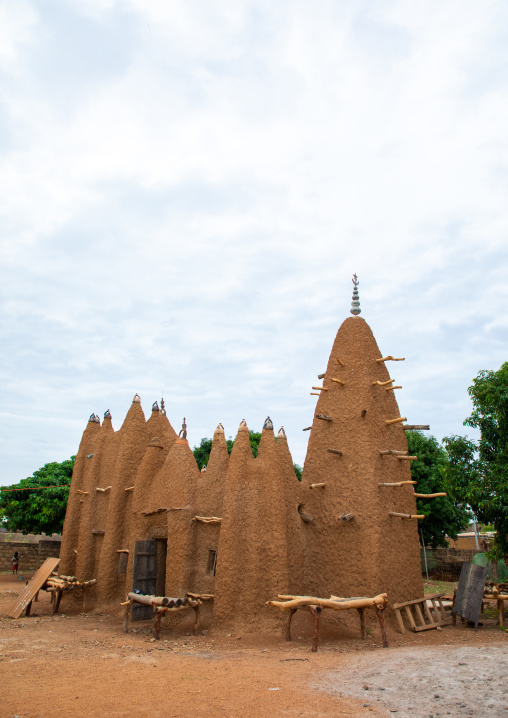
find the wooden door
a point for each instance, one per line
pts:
(144, 576)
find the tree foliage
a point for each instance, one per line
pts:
(444, 515)
(41, 511)
(478, 470)
(202, 452)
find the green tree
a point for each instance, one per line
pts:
(444, 515)
(41, 511)
(478, 470)
(202, 452)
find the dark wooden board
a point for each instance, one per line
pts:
(144, 576)
(468, 599)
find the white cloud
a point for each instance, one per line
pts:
(187, 189)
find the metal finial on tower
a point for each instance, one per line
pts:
(183, 431)
(163, 407)
(355, 304)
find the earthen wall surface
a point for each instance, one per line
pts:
(374, 552)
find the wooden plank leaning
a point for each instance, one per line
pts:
(37, 581)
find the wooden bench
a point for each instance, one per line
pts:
(316, 605)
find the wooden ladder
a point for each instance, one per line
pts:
(420, 616)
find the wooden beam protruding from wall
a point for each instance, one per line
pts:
(317, 486)
(390, 358)
(340, 362)
(320, 388)
(345, 517)
(416, 427)
(334, 451)
(338, 381)
(406, 516)
(429, 496)
(307, 428)
(394, 452)
(323, 417)
(407, 458)
(396, 483)
(392, 388)
(383, 383)
(395, 421)
(103, 491)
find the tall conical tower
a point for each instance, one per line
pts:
(355, 546)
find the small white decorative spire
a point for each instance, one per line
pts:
(355, 304)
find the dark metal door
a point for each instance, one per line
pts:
(144, 576)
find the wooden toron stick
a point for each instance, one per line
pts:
(314, 393)
(317, 486)
(428, 496)
(393, 452)
(416, 427)
(328, 418)
(334, 451)
(392, 388)
(338, 381)
(407, 458)
(320, 376)
(84, 493)
(307, 428)
(102, 491)
(395, 421)
(340, 362)
(320, 388)
(397, 483)
(406, 516)
(383, 383)
(390, 358)
(131, 488)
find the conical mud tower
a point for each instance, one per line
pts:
(356, 546)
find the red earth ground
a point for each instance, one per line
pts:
(77, 665)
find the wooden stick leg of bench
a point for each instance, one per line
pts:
(28, 609)
(196, 611)
(380, 613)
(500, 611)
(361, 611)
(316, 612)
(58, 598)
(292, 612)
(126, 617)
(36, 597)
(157, 625)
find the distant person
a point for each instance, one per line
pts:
(15, 562)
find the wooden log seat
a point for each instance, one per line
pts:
(162, 605)
(316, 605)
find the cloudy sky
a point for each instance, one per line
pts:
(186, 188)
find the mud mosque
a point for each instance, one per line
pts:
(141, 515)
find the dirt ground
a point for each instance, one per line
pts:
(77, 665)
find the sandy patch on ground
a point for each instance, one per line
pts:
(428, 682)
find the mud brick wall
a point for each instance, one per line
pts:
(32, 555)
